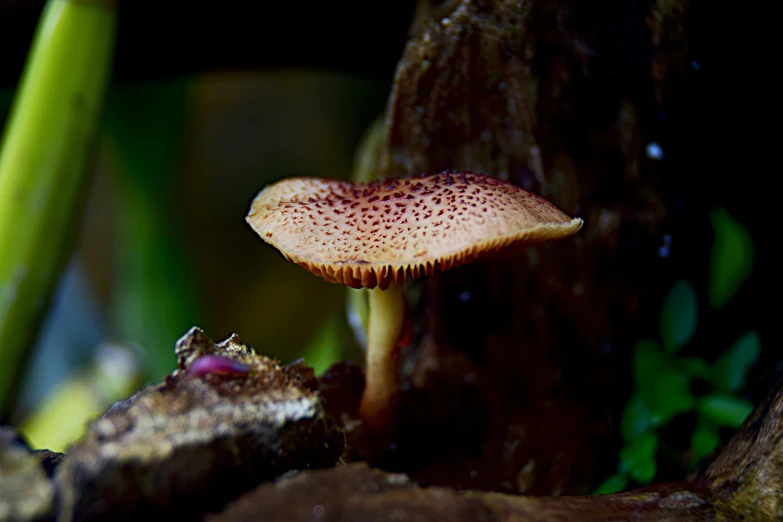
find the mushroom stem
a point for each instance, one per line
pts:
(382, 383)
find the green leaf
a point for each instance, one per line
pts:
(325, 348)
(155, 296)
(725, 410)
(672, 396)
(730, 368)
(696, 367)
(663, 388)
(731, 259)
(647, 362)
(637, 418)
(704, 440)
(614, 484)
(637, 458)
(678, 316)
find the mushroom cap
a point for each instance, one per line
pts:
(390, 231)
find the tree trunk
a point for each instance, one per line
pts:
(519, 368)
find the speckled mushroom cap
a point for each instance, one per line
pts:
(367, 235)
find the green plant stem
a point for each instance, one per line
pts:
(48, 142)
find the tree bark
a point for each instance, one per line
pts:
(519, 369)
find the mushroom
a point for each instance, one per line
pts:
(378, 235)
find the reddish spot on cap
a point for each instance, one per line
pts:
(390, 231)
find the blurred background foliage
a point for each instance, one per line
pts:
(163, 246)
(707, 393)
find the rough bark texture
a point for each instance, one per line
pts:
(356, 493)
(748, 474)
(25, 491)
(197, 440)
